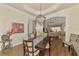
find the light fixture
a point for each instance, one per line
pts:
(40, 18)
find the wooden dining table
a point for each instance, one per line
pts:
(42, 44)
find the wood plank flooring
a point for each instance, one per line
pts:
(14, 51)
(56, 50)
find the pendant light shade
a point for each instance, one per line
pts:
(40, 18)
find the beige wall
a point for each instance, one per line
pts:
(7, 17)
(72, 20)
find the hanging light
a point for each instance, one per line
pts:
(40, 18)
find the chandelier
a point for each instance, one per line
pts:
(40, 18)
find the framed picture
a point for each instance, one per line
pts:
(17, 28)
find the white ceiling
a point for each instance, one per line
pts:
(36, 6)
(47, 8)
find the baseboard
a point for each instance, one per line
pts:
(0, 49)
(0, 46)
(13, 45)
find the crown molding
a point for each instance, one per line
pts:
(52, 8)
(51, 12)
(17, 10)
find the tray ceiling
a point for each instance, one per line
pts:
(47, 8)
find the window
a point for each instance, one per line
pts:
(55, 29)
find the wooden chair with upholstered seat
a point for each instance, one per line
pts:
(28, 48)
(73, 37)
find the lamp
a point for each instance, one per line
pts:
(40, 18)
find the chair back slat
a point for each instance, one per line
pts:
(73, 37)
(28, 48)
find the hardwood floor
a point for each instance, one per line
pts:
(56, 50)
(14, 51)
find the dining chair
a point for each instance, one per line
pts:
(28, 48)
(73, 37)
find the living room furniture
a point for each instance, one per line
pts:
(75, 48)
(6, 42)
(44, 44)
(73, 37)
(28, 48)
